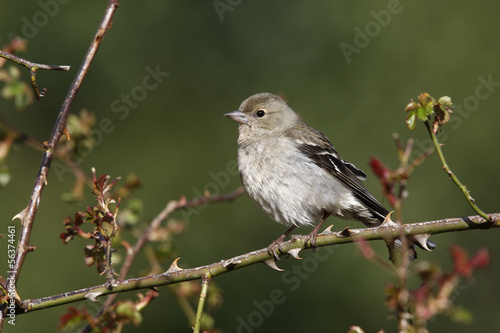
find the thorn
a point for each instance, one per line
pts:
(295, 253)
(44, 178)
(423, 242)
(20, 215)
(65, 132)
(174, 267)
(346, 232)
(272, 263)
(93, 296)
(388, 220)
(328, 230)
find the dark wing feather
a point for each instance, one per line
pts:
(322, 152)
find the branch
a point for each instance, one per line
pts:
(27, 215)
(176, 275)
(170, 208)
(436, 113)
(16, 45)
(206, 279)
(33, 67)
(14, 134)
(451, 174)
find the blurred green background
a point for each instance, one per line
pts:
(175, 138)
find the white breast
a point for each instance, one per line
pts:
(290, 188)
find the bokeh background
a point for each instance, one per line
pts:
(176, 140)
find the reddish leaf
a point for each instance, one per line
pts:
(461, 264)
(392, 296)
(480, 259)
(422, 293)
(73, 317)
(379, 168)
(423, 98)
(384, 174)
(412, 106)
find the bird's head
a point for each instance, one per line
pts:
(264, 112)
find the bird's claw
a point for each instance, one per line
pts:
(271, 251)
(311, 239)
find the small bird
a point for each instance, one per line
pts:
(294, 173)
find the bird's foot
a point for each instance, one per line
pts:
(271, 248)
(278, 242)
(311, 239)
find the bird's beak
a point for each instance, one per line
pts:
(238, 116)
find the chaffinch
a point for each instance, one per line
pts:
(294, 173)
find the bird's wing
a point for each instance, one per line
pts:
(319, 149)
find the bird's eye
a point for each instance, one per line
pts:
(261, 113)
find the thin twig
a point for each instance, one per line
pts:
(27, 215)
(33, 67)
(402, 263)
(262, 255)
(394, 181)
(205, 282)
(13, 134)
(453, 177)
(110, 273)
(170, 208)
(16, 45)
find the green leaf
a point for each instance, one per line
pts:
(128, 310)
(207, 321)
(411, 120)
(4, 175)
(460, 315)
(422, 113)
(68, 197)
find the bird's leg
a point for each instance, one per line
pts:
(278, 242)
(314, 234)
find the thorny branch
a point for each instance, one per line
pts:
(175, 274)
(27, 215)
(171, 207)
